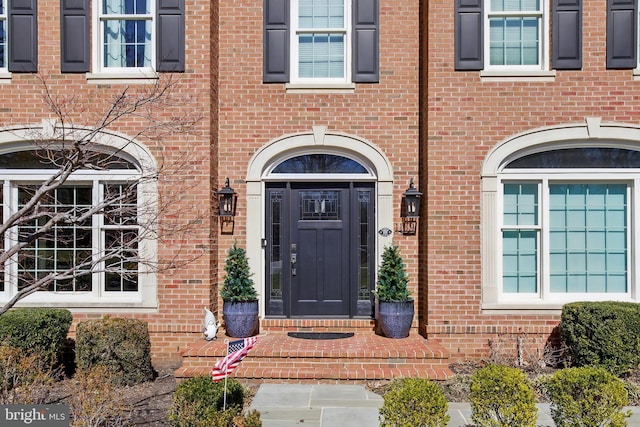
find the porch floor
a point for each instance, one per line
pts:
(363, 357)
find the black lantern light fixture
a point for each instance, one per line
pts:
(410, 209)
(227, 201)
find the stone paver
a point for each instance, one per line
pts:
(324, 405)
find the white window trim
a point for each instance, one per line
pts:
(303, 83)
(101, 74)
(146, 298)
(543, 178)
(591, 132)
(543, 53)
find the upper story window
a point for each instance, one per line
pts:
(319, 47)
(516, 33)
(514, 36)
(3, 35)
(321, 41)
(134, 38)
(126, 28)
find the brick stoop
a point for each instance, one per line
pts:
(363, 357)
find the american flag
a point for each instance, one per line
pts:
(236, 351)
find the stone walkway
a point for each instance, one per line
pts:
(325, 405)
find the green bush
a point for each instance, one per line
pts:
(501, 396)
(198, 402)
(586, 397)
(121, 345)
(39, 331)
(605, 334)
(414, 402)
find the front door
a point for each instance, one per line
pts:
(319, 249)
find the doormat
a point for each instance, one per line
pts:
(320, 335)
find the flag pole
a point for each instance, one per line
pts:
(226, 375)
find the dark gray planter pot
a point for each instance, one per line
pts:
(394, 318)
(240, 318)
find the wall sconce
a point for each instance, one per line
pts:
(227, 202)
(410, 209)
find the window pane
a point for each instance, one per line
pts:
(513, 40)
(127, 43)
(588, 237)
(520, 261)
(321, 56)
(321, 13)
(579, 158)
(126, 7)
(515, 5)
(64, 249)
(122, 268)
(319, 163)
(520, 204)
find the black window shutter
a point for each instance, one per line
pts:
(567, 34)
(74, 36)
(622, 28)
(365, 41)
(23, 36)
(275, 47)
(468, 35)
(170, 36)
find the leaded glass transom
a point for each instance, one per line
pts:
(320, 205)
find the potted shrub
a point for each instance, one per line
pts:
(240, 299)
(395, 306)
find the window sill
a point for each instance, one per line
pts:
(139, 77)
(5, 78)
(518, 76)
(636, 74)
(320, 88)
(95, 306)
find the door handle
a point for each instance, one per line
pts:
(294, 258)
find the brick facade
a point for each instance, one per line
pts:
(466, 116)
(432, 123)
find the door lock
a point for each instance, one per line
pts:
(294, 259)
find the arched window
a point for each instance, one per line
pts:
(82, 234)
(320, 163)
(559, 222)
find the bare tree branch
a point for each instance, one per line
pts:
(41, 223)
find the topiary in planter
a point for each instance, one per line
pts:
(395, 306)
(501, 396)
(240, 307)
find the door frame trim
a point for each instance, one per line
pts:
(318, 140)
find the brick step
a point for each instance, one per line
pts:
(365, 356)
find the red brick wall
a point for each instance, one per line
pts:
(253, 114)
(466, 117)
(188, 160)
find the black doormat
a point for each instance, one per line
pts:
(320, 335)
